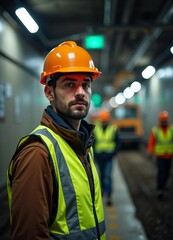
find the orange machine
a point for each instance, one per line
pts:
(128, 119)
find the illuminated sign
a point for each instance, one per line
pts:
(94, 42)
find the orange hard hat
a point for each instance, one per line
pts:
(163, 116)
(68, 57)
(104, 115)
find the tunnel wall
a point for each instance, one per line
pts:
(21, 95)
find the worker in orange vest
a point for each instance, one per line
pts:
(160, 145)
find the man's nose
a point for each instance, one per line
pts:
(80, 91)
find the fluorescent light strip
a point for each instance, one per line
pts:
(27, 20)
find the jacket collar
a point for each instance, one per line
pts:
(56, 122)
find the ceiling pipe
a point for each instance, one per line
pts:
(104, 62)
(163, 17)
(117, 43)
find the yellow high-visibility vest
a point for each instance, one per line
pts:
(79, 214)
(105, 139)
(164, 141)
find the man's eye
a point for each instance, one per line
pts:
(86, 85)
(69, 84)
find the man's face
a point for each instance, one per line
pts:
(71, 97)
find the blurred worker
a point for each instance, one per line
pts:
(105, 149)
(53, 185)
(160, 144)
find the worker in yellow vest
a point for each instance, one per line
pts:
(106, 147)
(53, 186)
(160, 145)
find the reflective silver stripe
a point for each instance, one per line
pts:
(89, 234)
(68, 189)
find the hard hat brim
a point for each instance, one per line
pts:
(95, 72)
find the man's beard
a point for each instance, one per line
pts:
(77, 114)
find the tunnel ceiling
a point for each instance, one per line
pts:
(137, 33)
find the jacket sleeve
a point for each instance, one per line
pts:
(151, 143)
(32, 189)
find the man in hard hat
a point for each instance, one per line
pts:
(53, 186)
(106, 147)
(160, 145)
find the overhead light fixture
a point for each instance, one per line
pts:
(120, 98)
(27, 20)
(135, 86)
(112, 103)
(128, 93)
(148, 72)
(171, 50)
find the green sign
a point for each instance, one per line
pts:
(96, 99)
(94, 42)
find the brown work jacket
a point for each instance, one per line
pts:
(33, 185)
